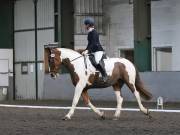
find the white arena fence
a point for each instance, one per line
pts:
(85, 108)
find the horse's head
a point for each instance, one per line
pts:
(54, 61)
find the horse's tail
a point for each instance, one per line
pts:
(140, 87)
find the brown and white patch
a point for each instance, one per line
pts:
(52, 60)
(46, 60)
(74, 76)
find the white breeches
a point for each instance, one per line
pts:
(98, 55)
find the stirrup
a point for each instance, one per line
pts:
(105, 78)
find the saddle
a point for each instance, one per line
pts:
(98, 66)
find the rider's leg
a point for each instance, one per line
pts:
(93, 61)
(98, 55)
(100, 65)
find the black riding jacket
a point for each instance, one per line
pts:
(93, 42)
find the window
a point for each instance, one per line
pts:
(162, 58)
(88, 8)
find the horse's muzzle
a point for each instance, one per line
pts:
(54, 75)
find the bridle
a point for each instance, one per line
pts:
(51, 59)
(52, 56)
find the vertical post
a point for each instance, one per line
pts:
(160, 102)
(36, 57)
(14, 86)
(56, 15)
(60, 22)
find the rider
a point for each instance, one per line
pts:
(94, 47)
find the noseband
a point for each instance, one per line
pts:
(51, 58)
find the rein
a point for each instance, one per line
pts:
(84, 61)
(77, 58)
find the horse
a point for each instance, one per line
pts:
(84, 76)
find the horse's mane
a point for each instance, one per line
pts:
(79, 50)
(71, 51)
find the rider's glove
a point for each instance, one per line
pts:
(85, 52)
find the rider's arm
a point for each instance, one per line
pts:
(85, 52)
(91, 41)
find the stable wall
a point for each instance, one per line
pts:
(6, 46)
(166, 28)
(117, 27)
(165, 84)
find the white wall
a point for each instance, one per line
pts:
(164, 61)
(6, 66)
(45, 13)
(24, 14)
(156, 82)
(25, 44)
(80, 41)
(118, 25)
(166, 27)
(8, 55)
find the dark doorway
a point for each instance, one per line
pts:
(67, 24)
(128, 54)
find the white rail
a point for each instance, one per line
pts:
(84, 108)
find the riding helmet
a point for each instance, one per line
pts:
(89, 21)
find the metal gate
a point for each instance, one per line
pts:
(25, 38)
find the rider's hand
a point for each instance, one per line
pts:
(85, 52)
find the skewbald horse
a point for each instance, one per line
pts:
(84, 76)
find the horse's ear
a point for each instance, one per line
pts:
(46, 61)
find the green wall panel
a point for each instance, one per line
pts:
(6, 24)
(142, 34)
(142, 55)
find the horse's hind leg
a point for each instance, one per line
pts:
(117, 89)
(87, 101)
(137, 95)
(138, 98)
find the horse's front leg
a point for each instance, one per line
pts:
(78, 90)
(119, 98)
(87, 101)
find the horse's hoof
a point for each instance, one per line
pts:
(116, 118)
(148, 114)
(150, 117)
(103, 117)
(65, 118)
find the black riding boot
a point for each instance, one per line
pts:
(100, 67)
(93, 61)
